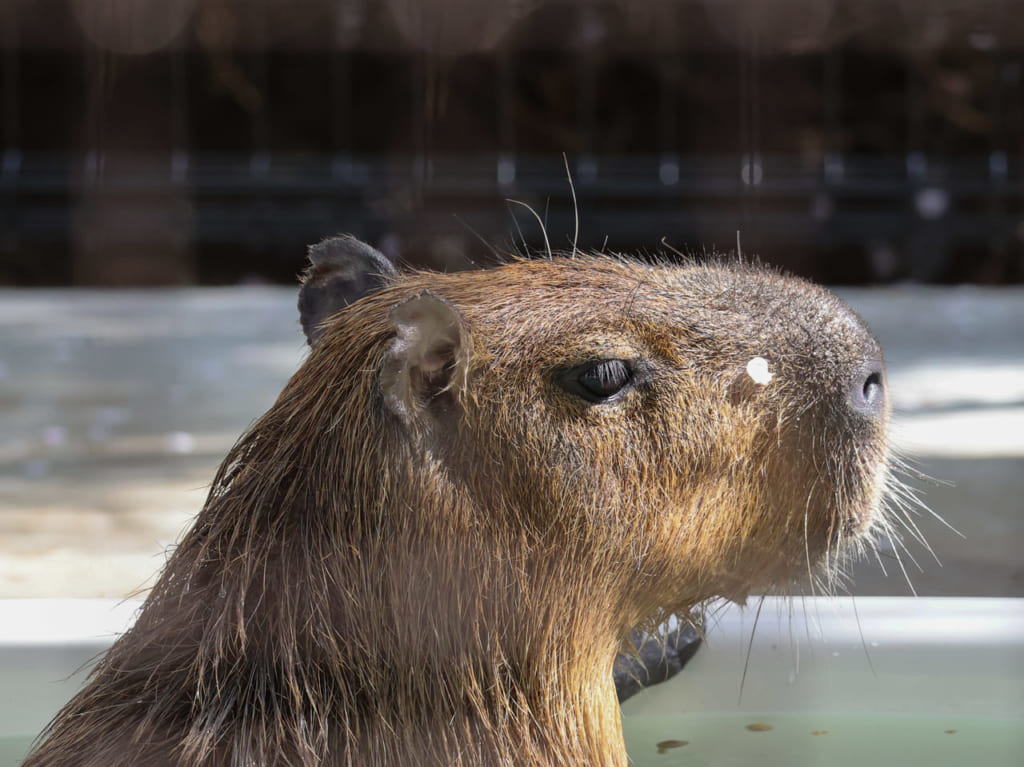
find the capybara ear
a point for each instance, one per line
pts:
(428, 356)
(342, 270)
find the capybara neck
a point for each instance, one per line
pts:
(431, 548)
(450, 636)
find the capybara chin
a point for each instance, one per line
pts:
(431, 548)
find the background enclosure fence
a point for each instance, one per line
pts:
(173, 142)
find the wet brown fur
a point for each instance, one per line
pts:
(449, 586)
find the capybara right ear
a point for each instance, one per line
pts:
(428, 357)
(342, 270)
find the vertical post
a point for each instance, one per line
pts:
(260, 156)
(586, 103)
(181, 209)
(832, 98)
(998, 165)
(751, 169)
(179, 114)
(669, 53)
(340, 95)
(928, 248)
(832, 163)
(260, 124)
(10, 140)
(506, 138)
(10, 84)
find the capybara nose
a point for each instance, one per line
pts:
(866, 394)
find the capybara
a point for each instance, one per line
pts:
(431, 548)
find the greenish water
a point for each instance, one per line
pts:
(842, 740)
(13, 750)
(721, 740)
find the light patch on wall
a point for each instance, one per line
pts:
(132, 26)
(959, 408)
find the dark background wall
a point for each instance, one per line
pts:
(152, 142)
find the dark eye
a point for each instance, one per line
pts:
(597, 381)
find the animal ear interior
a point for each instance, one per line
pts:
(342, 270)
(428, 356)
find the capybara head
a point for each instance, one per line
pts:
(432, 546)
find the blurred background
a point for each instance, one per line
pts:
(165, 163)
(171, 142)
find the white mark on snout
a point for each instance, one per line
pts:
(758, 370)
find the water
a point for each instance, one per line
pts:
(13, 749)
(854, 740)
(721, 740)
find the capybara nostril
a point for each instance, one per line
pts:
(866, 394)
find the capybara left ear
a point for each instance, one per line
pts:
(427, 358)
(342, 270)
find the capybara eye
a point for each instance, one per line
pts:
(598, 381)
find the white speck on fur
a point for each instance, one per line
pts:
(757, 369)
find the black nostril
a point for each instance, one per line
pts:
(867, 392)
(873, 387)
